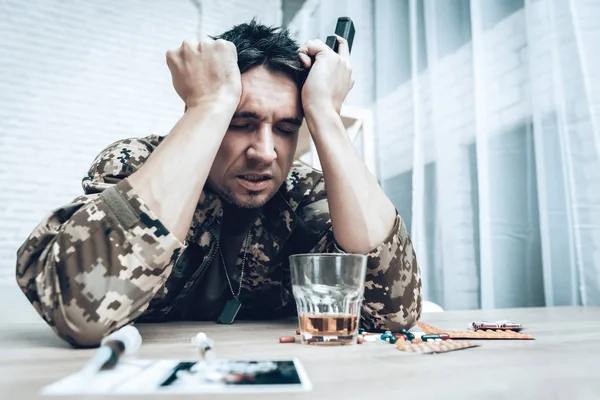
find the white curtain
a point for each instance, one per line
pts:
(499, 124)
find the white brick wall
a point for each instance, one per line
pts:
(218, 16)
(506, 89)
(508, 79)
(76, 76)
(454, 115)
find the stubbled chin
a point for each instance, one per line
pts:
(252, 201)
(240, 196)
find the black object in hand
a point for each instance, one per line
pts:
(345, 29)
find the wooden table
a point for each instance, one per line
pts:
(563, 361)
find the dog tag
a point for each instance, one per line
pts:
(229, 312)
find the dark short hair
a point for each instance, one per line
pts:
(271, 47)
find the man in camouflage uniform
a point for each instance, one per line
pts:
(175, 227)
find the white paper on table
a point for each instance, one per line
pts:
(133, 376)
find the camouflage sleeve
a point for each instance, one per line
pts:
(392, 297)
(92, 266)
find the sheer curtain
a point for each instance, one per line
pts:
(498, 125)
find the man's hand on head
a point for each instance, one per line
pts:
(205, 71)
(207, 78)
(330, 77)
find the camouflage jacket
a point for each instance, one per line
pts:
(105, 259)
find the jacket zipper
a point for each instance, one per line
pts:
(197, 276)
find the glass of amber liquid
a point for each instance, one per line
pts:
(328, 289)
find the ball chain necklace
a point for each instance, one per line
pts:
(232, 307)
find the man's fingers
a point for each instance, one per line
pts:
(313, 47)
(305, 60)
(172, 57)
(189, 44)
(343, 48)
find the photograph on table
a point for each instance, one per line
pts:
(134, 376)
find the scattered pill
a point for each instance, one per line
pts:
(287, 339)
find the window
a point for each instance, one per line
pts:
(453, 25)
(393, 41)
(497, 10)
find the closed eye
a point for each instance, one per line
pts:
(288, 128)
(240, 127)
(288, 131)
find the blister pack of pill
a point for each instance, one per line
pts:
(433, 347)
(498, 334)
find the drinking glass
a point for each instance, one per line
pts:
(328, 289)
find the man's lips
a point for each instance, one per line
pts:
(254, 182)
(255, 177)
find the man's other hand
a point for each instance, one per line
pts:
(330, 77)
(205, 71)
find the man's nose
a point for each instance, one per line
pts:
(263, 147)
